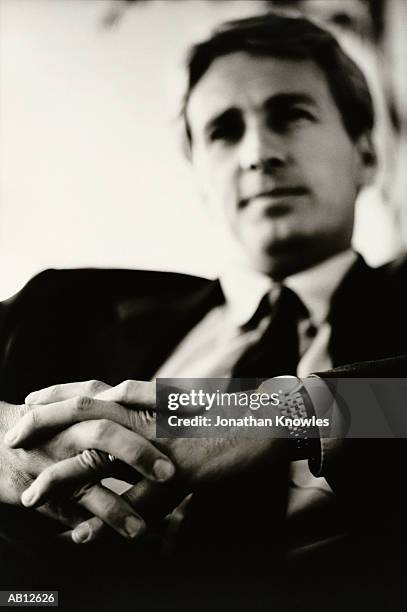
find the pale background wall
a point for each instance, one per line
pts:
(90, 170)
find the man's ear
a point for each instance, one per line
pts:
(368, 159)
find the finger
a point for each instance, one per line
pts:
(65, 512)
(104, 435)
(129, 446)
(44, 420)
(137, 394)
(141, 395)
(57, 393)
(85, 532)
(150, 500)
(154, 501)
(65, 537)
(67, 475)
(51, 480)
(111, 509)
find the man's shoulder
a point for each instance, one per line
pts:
(386, 277)
(96, 284)
(389, 280)
(395, 269)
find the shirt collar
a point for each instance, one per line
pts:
(244, 287)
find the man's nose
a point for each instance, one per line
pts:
(261, 149)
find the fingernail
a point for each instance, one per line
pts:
(133, 526)
(28, 497)
(10, 437)
(81, 533)
(162, 469)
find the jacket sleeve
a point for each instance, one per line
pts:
(368, 474)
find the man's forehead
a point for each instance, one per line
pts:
(243, 80)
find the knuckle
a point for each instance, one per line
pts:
(124, 389)
(92, 387)
(135, 421)
(83, 403)
(91, 459)
(144, 422)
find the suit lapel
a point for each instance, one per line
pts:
(363, 316)
(147, 332)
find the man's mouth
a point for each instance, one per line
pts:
(277, 201)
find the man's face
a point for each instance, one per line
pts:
(274, 159)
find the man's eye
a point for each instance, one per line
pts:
(295, 114)
(218, 133)
(227, 134)
(228, 130)
(289, 117)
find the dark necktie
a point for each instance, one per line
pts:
(277, 351)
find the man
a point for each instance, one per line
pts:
(278, 123)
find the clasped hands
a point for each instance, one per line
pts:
(66, 427)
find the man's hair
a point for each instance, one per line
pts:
(294, 38)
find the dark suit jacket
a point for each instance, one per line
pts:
(114, 325)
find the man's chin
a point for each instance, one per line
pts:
(279, 259)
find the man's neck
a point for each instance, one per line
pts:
(244, 287)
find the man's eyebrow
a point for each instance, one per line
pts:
(275, 101)
(289, 99)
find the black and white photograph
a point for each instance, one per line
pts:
(203, 305)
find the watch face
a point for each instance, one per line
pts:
(281, 384)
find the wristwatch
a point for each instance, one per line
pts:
(295, 403)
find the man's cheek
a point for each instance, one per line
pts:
(221, 201)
